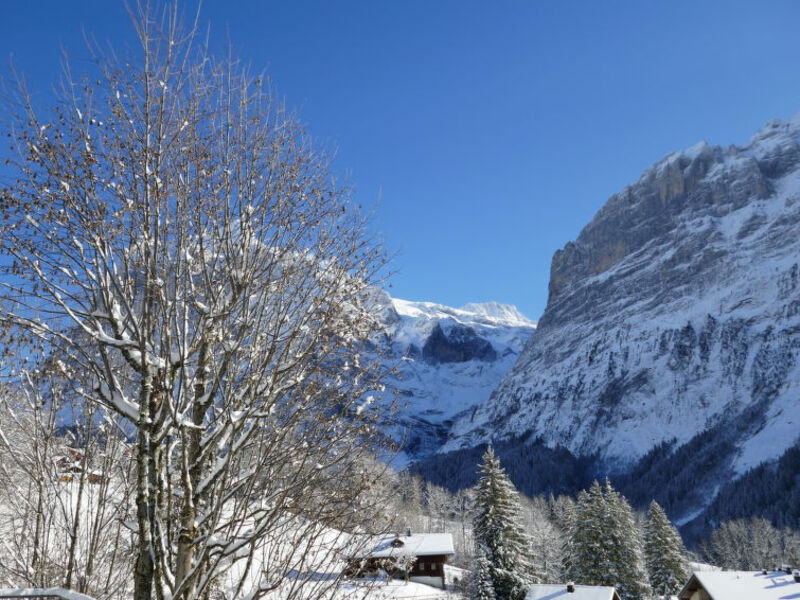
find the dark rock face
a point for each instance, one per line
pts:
(467, 351)
(675, 312)
(459, 344)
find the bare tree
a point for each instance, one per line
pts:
(463, 540)
(173, 235)
(546, 538)
(748, 544)
(62, 497)
(439, 503)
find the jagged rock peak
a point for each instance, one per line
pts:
(487, 313)
(675, 312)
(701, 179)
(444, 360)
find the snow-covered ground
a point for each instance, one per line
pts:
(317, 563)
(299, 559)
(383, 589)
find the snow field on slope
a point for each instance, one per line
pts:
(315, 554)
(669, 405)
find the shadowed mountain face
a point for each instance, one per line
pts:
(675, 315)
(460, 344)
(444, 360)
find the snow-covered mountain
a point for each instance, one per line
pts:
(446, 360)
(675, 315)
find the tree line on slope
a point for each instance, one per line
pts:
(565, 535)
(601, 545)
(557, 470)
(770, 490)
(751, 544)
(678, 477)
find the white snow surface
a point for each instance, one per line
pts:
(320, 559)
(54, 592)
(728, 264)
(416, 544)
(391, 589)
(559, 591)
(316, 554)
(748, 585)
(431, 395)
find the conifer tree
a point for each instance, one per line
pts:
(586, 557)
(664, 553)
(499, 535)
(604, 547)
(483, 588)
(627, 554)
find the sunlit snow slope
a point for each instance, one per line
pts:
(447, 360)
(675, 314)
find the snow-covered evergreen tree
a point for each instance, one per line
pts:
(500, 535)
(664, 553)
(626, 550)
(605, 546)
(482, 585)
(585, 552)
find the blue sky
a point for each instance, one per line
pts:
(490, 132)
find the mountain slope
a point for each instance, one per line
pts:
(674, 317)
(446, 360)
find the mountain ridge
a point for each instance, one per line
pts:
(444, 361)
(675, 311)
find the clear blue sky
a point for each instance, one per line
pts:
(491, 131)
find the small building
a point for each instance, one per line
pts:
(418, 557)
(71, 466)
(741, 585)
(570, 591)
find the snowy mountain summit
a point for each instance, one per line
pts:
(672, 326)
(447, 360)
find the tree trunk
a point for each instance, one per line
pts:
(144, 570)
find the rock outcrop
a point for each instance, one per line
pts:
(675, 311)
(444, 360)
(459, 344)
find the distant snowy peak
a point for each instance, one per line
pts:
(445, 361)
(488, 313)
(504, 313)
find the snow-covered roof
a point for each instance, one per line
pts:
(43, 593)
(559, 592)
(744, 585)
(416, 544)
(392, 589)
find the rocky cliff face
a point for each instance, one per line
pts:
(675, 311)
(445, 360)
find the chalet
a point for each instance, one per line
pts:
(418, 557)
(71, 465)
(570, 591)
(741, 585)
